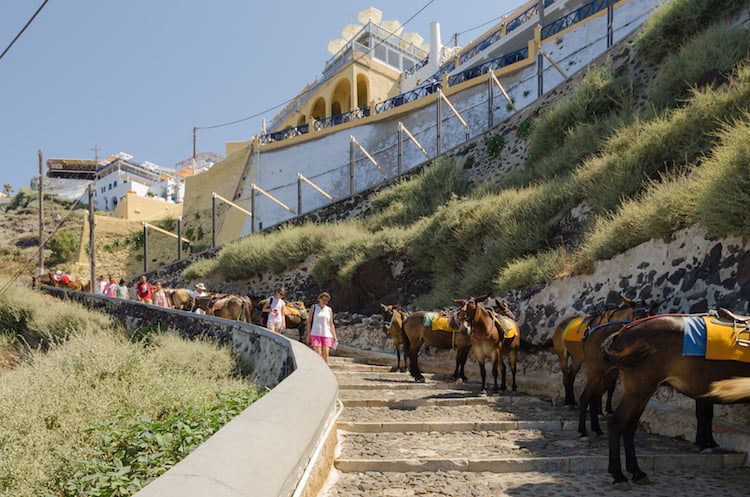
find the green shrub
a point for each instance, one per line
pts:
(407, 201)
(723, 183)
(34, 319)
(525, 129)
(541, 267)
(133, 450)
(54, 407)
(495, 145)
(24, 198)
(645, 149)
(710, 55)
(664, 207)
(677, 21)
(598, 94)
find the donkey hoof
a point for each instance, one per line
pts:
(599, 434)
(458, 381)
(419, 379)
(622, 485)
(641, 479)
(483, 393)
(394, 369)
(403, 370)
(707, 450)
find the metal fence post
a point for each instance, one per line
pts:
(439, 124)
(252, 209)
(490, 101)
(179, 238)
(213, 219)
(539, 74)
(92, 239)
(145, 248)
(610, 21)
(400, 148)
(299, 195)
(351, 166)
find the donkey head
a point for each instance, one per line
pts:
(390, 312)
(467, 310)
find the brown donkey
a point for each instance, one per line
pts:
(393, 326)
(570, 353)
(416, 334)
(486, 333)
(647, 354)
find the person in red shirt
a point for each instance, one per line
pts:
(144, 291)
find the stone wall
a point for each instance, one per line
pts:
(264, 451)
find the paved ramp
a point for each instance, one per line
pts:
(401, 438)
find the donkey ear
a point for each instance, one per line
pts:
(458, 301)
(626, 300)
(382, 306)
(395, 306)
(483, 297)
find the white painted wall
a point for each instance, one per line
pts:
(326, 160)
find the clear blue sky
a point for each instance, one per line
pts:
(136, 76)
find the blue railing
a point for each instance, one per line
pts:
(416, 67)
(407, 97)
(345, 117)
(284, 134)
(491, 65)
(574, 17)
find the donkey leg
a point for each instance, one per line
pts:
(513, 367)
(564, 370)
(610, 394)
(704, 412)
(633, 411)
(464, 358)
(483, 374)
(504, 372)
(397, 367)
(494, 376)
(594, 413)
(574, 368)
(405, 346)
(583, 403)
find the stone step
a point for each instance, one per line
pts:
(528, 444)
(593, 465)
(415, 398)
(463, 413)
(355, 367)
(698, 482)
(376, 385)
(352, 376)
(455, 426)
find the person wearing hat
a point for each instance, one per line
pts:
(275, 309)
(200, 291)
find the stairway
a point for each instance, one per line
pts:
(401, 438)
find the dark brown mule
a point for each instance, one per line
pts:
(648, 354)
(487, 341)
(417, 334)
(570, 354)
(393, 326)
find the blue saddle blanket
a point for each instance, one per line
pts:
(694, 337)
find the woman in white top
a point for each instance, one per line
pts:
(275, 309)
(321, 334)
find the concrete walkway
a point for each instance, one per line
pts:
(399, 438)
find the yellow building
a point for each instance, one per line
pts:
(366, 67)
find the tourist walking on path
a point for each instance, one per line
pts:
(144, 291)
(110, 290)
(122, 290)
(321, 333)
(275, 309)
(160, 296)
(101, 284)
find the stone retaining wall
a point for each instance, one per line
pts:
(265, 449)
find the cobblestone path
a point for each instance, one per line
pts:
(400, 438)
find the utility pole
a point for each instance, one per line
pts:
(41, 213)
(92, 240)
(195, 142)
(455, 39)
(96, 151)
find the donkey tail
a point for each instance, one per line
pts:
(628, 356)
(731, 390)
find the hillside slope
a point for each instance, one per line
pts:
(638, 150)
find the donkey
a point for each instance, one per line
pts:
(232, 307)
(570, 354)
(393, 326)
(648, 354)
(486, 336)
(416, 334)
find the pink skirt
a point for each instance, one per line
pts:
(317, 341)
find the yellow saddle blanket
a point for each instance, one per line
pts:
(436, 322)
(725, 342)
(507, 325)
(292, 310)
(575, 329)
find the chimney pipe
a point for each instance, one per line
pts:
(435, 46)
